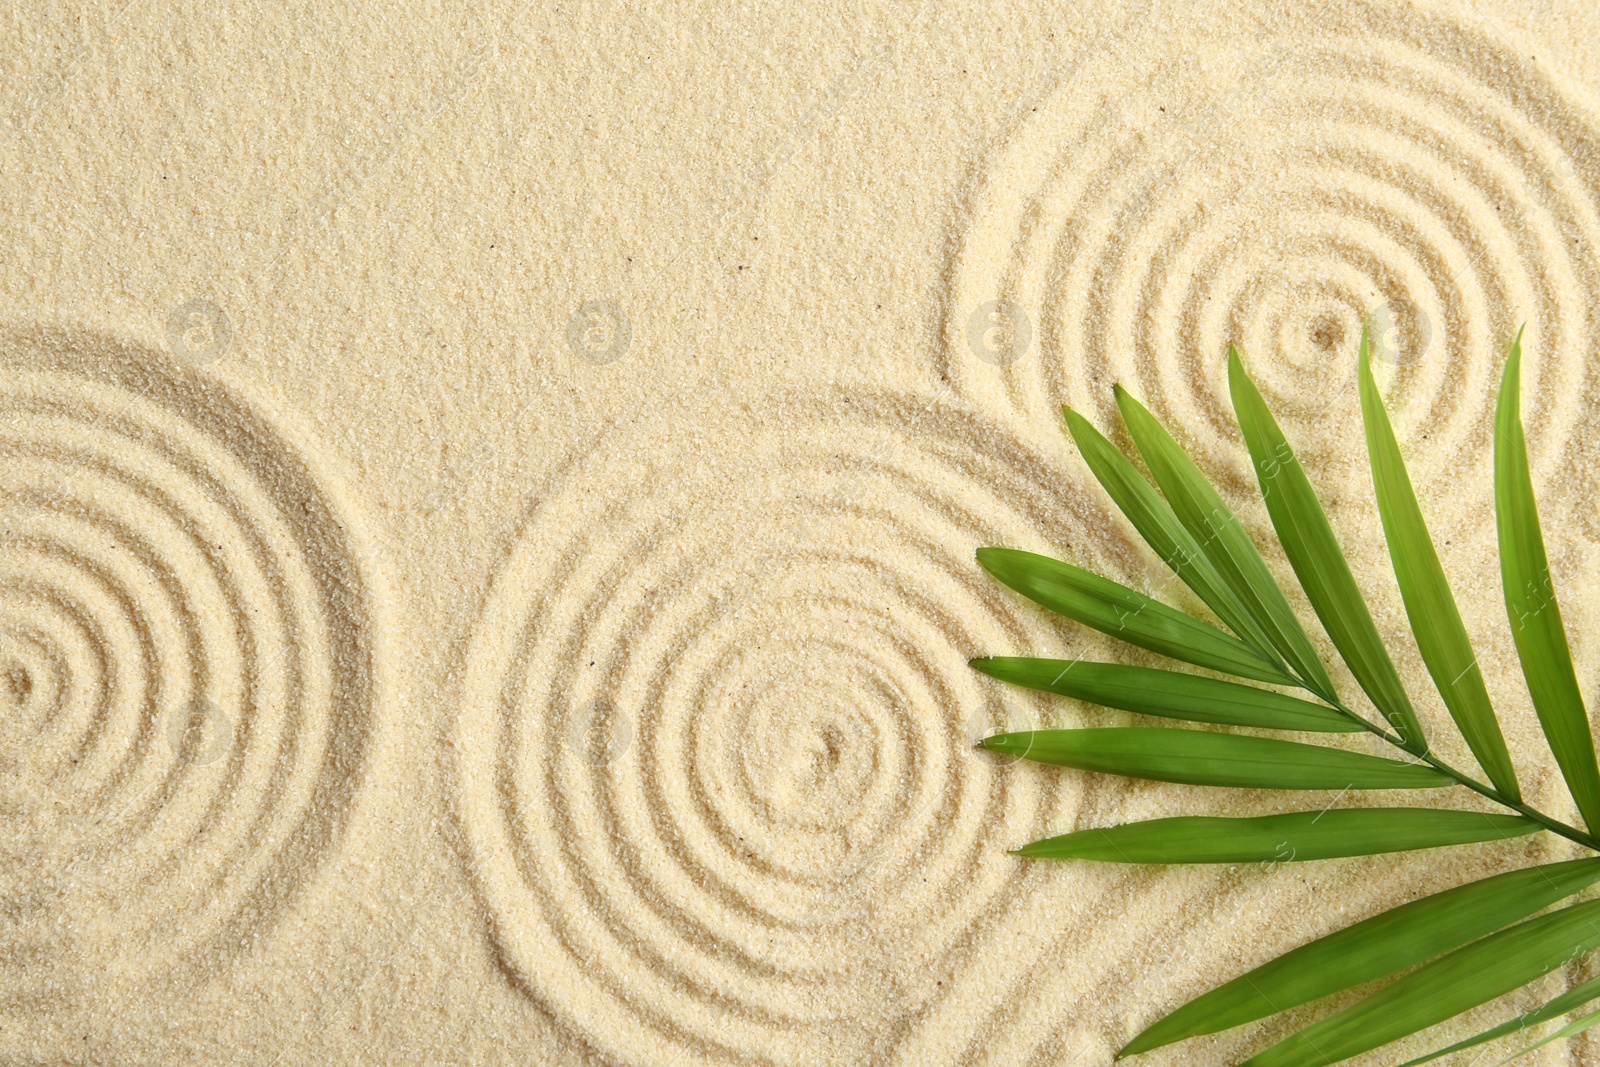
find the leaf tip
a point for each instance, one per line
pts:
(1074, 422)
(1239, 383)
(1003, 743)
(1139, 1044)
(1127, 403)
(1514, 358)
(1509, 404)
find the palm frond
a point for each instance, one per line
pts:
(1298, 836)
(1430, 606)
(1453, 950)
(1161, 529)
(1572, 1029)
(1126, 614)
(1169, 694)
(1314, 553)
(1531, 603)
(1475, 974)
(1373, 948)
(1576, 997)
(1200, 757)
(1222, 538)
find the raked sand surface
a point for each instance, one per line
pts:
(488, 497)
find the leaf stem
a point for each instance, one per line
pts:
(1555, 826)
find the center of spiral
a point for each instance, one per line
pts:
(814, 763)
(1326, 333)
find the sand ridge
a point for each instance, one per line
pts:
(679, 360)
(1346, 162)
(705, 800)
(189, 645)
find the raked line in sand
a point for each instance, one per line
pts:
(715, 756)
(188, 672)
(1174, 194)
(714, 764)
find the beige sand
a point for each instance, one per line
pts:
(489, 500)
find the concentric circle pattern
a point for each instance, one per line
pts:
(186, 669)
(1340, 164)
(715, 743)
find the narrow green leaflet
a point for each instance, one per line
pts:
(1575, 997)
(1572, 1029)
(1440, 990)
(1160, 528)
(1201, 757)
(1302, 835)
(1431, 607)
(1381, 945)
(1169, 694)
(1223, 539)
(1531, 603)
(1123, 613)
(1313, 551)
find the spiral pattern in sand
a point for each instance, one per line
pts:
(1343, 162)
(187, 664)
(715, 741)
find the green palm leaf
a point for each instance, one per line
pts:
(1302, 835)
(1575, 997)
(1123, 613)
(1531, 603)
(1431, 607)
(1161, 529)
(1572, 1029)
(1223, 539)
(1200, 757)
(1440, 990)
(1373, 948)
(1313, 551)
(1204, 543)
(1169, 694)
